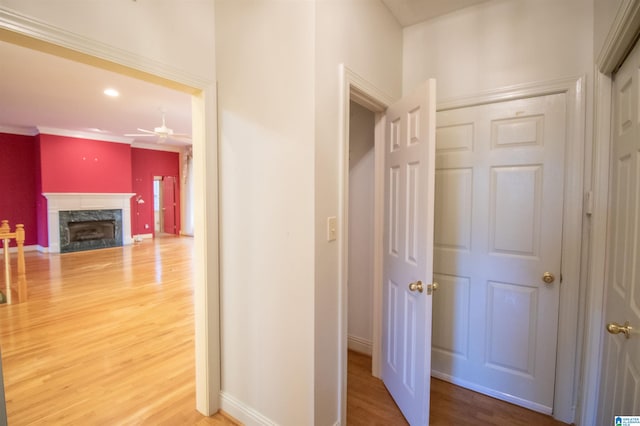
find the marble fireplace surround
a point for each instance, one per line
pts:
(63, 201)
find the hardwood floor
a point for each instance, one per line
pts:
(106, 337)
(369, 403)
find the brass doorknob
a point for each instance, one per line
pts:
(432, 287)
(615, 328)
(548, 277)
(416, 286)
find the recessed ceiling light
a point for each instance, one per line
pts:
(111, 92)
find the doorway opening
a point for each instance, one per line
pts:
(361, 384)
(157, 202)
(165, 205)
(20, 31)
(372, 101)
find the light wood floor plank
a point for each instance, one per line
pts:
(106, 337)
(369, 403)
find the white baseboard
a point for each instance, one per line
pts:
(493, 393)
(358, 344)
(239, 411)
(28, 248)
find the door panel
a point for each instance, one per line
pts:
(499, 204)
(620, 383)
(408, 251)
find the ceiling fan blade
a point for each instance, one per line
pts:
(163, 133)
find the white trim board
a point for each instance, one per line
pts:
(239, 411)
(32, 247)
(358, 344)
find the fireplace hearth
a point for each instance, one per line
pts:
(90, 229)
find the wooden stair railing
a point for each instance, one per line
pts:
(6, 236)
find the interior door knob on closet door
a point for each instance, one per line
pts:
(419, 287)
(548, 277)
(416, 286)
(615, 328)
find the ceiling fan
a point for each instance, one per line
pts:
(162, 133)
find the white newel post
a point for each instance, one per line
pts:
(67, 201)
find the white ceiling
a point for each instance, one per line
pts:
(409, 12)
(42, 91)
(39, 90)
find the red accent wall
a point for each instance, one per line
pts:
(67, 164)
(31, 165)
(84, 165)
(145, 164)
(41, 202)
(18, 183)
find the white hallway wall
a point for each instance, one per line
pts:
(604, 12)
(278, 72)
(500, 43)
(265, 57)
(146, 30)
(365, 37)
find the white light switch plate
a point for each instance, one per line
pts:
(332, 228)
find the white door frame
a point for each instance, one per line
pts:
(34, 34)
(570, 290)
(357, 89)
(619, 41)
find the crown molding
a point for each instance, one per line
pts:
(15, 130)
(157, 147)
(25, 30)
(83, 135)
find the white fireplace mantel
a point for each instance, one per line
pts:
(64, 201)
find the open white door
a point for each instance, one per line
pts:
(409, 170)
(620, 380)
